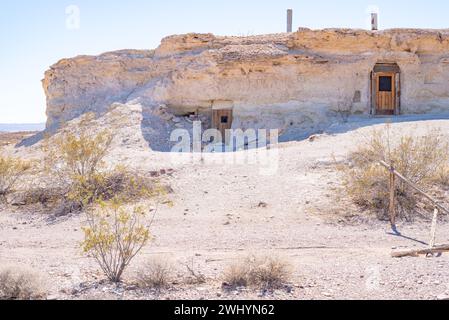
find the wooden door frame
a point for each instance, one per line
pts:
(216, 122)
(387, 69)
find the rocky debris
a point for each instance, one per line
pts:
(262, 205)
(162, 172)
(163, 112)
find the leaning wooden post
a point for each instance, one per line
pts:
(433, 229)
(392, 209)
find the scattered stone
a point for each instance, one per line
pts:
(262, 205)
(166, 117)
(313, 138)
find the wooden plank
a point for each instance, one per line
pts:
(386, 67)
(374, 93)
(381, 101)
(217, 123)
(398, 93)
(393, 92)
(413, 186)
(386, 100)
(433, 230)
(417, 253)
(392, 198)
(385, 103)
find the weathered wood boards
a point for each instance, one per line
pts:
(386, 93)
(417, 253)
(386, 89)
(222, 120)
(413, 186)
(432, 248)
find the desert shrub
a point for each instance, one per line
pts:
(39, 195)
(18, 283)
(195, 276)
(422, 159)
(80, 155)
(441, 176)
(155, 274)
(114, 235)
(11, 171)
(119, 182)
(262, 272)
(237, 275)
(76, 164)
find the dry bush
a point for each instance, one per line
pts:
(114, 235)
(264, 272)
(80, 175)
(78, 155)
(75, 165)
(195, 276)
(422, 159)
(237, 275)
(71, 164)
(119, 182)
(12, 171)
(155, 274)
(17, 283)
(441, 176)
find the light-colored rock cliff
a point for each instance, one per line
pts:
(295, 82)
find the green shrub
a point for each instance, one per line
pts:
(76, 163)
(12, 171)
(114, 235)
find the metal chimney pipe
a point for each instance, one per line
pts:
(374, 22)
(289, 20)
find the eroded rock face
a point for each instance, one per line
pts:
(293, 82)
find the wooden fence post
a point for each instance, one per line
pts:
(434, 228)
(438, 207)
(392, 209)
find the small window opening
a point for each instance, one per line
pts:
(385, 84)
(224, 119)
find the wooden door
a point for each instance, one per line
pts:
(222, 120)
(385, 93)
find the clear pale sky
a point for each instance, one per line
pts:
(36, 34)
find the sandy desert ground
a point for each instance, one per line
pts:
(224, 212)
